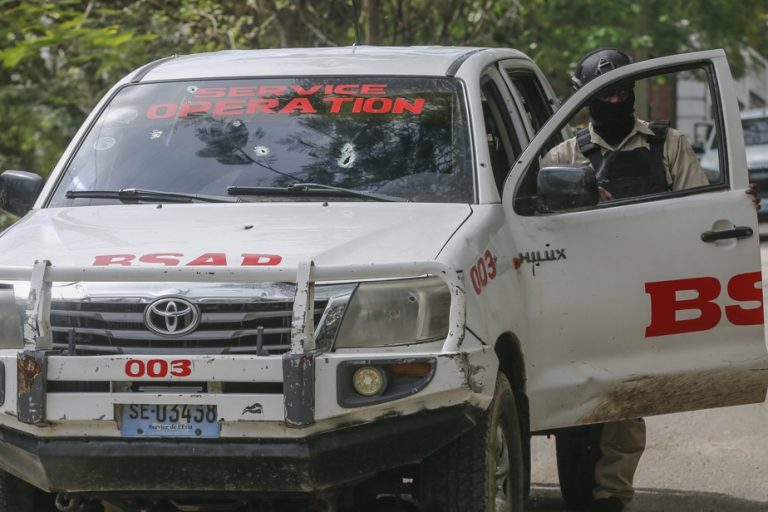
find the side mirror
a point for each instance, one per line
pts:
(566, 187)
(19, 191)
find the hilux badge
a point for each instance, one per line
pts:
(172, 317)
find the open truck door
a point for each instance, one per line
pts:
(643, 305)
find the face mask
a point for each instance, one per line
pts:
(613, 121)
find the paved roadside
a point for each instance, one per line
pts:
(703, 461)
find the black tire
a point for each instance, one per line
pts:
(578, 450)
(462, 477)
(18, 496)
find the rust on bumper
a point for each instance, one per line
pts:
(32, 366)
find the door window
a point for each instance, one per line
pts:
(535, 103)
(503, 146)
(633, 138)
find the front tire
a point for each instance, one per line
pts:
(482, 470)
(18, 496)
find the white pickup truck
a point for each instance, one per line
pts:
(339, 274)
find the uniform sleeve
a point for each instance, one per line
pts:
(564, 153)
(682, 163)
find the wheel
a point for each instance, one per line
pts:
(482, 470)
(578, 450)
(18, 496)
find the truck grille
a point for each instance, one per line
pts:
(117, 327)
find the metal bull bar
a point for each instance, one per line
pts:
(298, 364)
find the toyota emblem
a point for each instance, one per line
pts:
(172, 316)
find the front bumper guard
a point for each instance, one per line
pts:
(298, 363)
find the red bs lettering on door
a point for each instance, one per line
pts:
(688, 305)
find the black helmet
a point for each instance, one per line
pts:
(597, 62)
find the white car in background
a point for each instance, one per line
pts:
(755, 126)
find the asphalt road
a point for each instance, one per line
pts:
(704, 461)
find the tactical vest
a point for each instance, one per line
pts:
(629, 173)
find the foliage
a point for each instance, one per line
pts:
(546, 30)
(58, 58)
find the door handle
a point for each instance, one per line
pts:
(736, 232)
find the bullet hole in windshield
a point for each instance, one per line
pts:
(192, 89)
(104, 143)
(348, 156)
(261, 150)
(156, 134)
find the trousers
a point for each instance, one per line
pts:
(622, 444)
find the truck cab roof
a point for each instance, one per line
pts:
(350, 60)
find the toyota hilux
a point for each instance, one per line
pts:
(341, 273)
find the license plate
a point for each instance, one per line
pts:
(162, 420)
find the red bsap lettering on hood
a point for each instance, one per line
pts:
(208, 259)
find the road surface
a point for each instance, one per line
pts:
(704, 461)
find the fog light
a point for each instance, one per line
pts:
(368, 381)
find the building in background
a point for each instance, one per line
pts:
(692, 112)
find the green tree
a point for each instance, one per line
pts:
(548, 32)
(56, 58)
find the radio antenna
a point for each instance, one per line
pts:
(357, 23)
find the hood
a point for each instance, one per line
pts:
(232, 235)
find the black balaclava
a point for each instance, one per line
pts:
(613, 121)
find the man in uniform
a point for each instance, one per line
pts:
(625, 150)
(631, 157)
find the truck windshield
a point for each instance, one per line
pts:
(403, 138)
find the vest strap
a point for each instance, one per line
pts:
(589, 149)
(656, 143)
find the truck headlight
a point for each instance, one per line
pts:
(396, 312)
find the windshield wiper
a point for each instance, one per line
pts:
(132, 195)
(311, 189)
